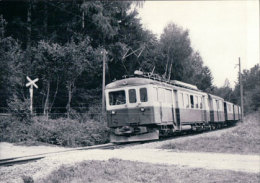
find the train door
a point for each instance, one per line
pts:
(133, 111)
(203, 107)
(217, 109)
(167, 109)
(211, 109)
(165, 105)
(177, 110)
(225, 111)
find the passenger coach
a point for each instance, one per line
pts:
(140, 108)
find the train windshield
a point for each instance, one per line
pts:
(117, 97)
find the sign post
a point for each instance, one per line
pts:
(32, 84)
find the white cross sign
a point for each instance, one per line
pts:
(32, 82)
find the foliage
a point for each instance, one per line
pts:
(61, 42)
(20, 109)
(65, 132)
(251, 88)
(179, 61)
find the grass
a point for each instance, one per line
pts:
(243, 139)
(123, 171)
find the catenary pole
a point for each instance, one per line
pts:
(241, 91)
(103, 82)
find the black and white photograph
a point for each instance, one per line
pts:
(121, 91)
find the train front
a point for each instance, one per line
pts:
(130, 112)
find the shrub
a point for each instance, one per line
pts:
(62, 131)
(20, 109)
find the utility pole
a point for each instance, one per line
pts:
(103, 82)
(241, 91)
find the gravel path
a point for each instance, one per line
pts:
(148, 152)
(217, 161)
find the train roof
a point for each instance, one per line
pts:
(136, 81)
(215, 97)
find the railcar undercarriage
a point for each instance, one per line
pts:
(148, 133)
(133, 133)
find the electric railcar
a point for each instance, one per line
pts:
(140, 108)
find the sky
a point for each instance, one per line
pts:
(221, 31)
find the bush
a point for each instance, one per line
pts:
(62, 131)
(20, 109)
(68, 132)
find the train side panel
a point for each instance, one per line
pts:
(216, 105)
(229, 112)
(236, 115)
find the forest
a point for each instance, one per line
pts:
(61, 43)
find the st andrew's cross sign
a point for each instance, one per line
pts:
(32, 84)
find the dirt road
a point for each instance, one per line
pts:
(41, 168)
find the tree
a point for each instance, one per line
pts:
(75, 56)
(48, 66)
(196, 73)
(178, 60)
(251, 81)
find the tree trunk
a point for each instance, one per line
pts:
(45, 18)
(55, 94)
(2, 26)
(170, 72)
(166, 67)
(46, 104)
(83, 17)
(29, 24)
(69, 99)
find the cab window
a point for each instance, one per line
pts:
(132, 96)
(117, 97)
(143, 95)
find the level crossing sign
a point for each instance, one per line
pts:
(32, 84)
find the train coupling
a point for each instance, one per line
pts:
(129, 130)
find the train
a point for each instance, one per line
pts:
(145, 107)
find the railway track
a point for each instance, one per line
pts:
(30, 158)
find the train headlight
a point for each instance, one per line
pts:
(142, 109)
(113, 112)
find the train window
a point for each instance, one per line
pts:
(215, 106)
(209, 106)
(186, 102)
(132, 96)
(176, 98)
(200, 102)
(181, 101)
(191, 101)
(196, 102)
(143, 95)
(117, 97)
